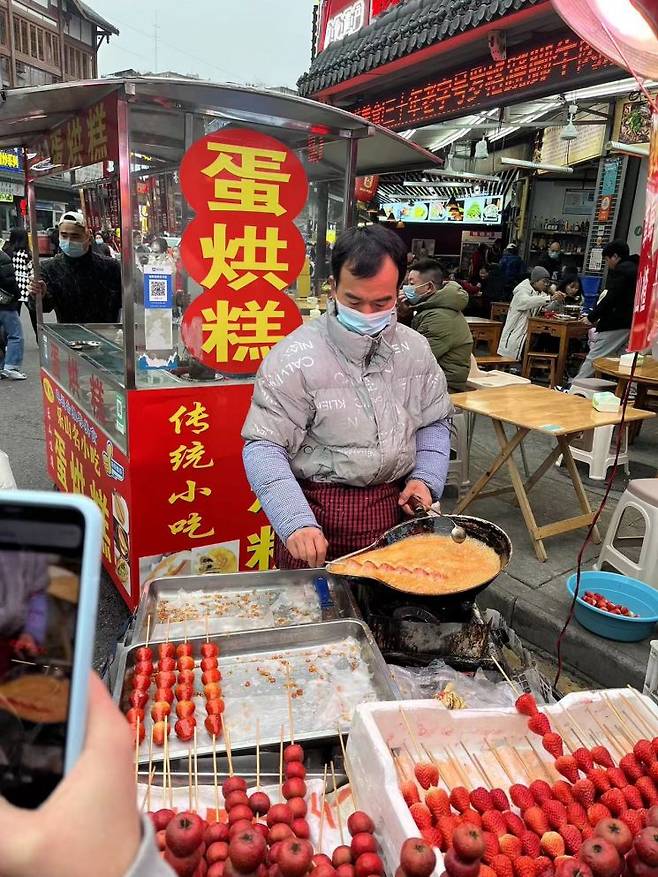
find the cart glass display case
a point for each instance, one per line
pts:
(221, 206)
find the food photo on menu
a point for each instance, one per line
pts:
(38, 605)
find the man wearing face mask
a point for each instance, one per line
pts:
(552, 261)
(350, 415)
(438, 315)
(80, 285)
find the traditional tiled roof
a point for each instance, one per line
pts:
(402, 30)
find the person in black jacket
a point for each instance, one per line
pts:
(11, 355)
(612, 315)
(79, 285)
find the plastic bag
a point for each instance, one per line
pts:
(475, 692)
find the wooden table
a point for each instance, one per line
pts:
(645, 377)
(563, 330)
(495, 359)
(560, 415)
(488, 331)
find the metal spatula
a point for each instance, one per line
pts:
(457, 534)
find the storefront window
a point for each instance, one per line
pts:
(3, 28)
(28, 75)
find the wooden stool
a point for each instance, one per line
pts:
(499, 310)
(542, 360)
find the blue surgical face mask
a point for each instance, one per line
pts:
(72, 249)
(363, 324)
(411, 293)
(554, 254)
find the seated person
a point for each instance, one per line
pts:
(572, 288)
(530, 296)
(437, 308)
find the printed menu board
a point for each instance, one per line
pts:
(479, 210)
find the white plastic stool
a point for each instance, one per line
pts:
(458, 466)
(597, 450)
(641, 495)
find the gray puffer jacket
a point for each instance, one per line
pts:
(346, 406)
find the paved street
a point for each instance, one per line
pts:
(530, 595)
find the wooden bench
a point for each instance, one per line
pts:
(495, 360)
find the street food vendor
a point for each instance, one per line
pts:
(350, 415)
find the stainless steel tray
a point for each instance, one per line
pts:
(246, 601)
(334, 666)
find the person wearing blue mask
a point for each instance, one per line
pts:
(350, 416)
(80, 285)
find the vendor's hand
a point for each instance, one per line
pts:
(404, 308)
(418, 489)
(309, 545)
(37, 287)
(558, 296)
(26, 645)
(90, 823)
(585, 319)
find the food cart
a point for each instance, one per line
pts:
(246, 187)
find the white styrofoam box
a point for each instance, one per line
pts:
(651, 677)
(378, 727)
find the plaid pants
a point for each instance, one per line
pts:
(351, 518)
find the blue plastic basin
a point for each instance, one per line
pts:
(636, 595)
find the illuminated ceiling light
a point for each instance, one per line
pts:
(482, 149)
(570, 132)
(536, 165)
(639, 149)
(462, 175)
(413, 184)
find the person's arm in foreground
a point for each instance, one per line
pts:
(432, 460)
(90, 824)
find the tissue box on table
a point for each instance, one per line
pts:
(605, 401)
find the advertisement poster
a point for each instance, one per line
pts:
(480, 210)
(644, 331)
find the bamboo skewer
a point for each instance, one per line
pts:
(165, 762)
(214, 775)
(289, 690)
(337, 805)
(499, 759)
(511, 684)
(541, 761)
(324, 799)
(148, 789)
(189, 777)
(461, 775)
(229, 754)
(281, 761)
(137, 752)
(477, 765)
(346, 769)
(196, 773)
(257, 755)
(583, 732)
(629, 703)
(414, 739)
(522, 762)
(604, 731)
(628, 731)
(146, 800)
(483, 772)
(148, 629)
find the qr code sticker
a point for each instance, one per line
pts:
(158, 290)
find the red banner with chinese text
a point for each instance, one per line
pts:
(87, 138)
(83, 459)
(644, 330)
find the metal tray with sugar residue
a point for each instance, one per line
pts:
(334, 666)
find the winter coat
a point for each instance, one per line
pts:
(22, 262)
(514, 269)
(440, 319)
(346, 407)
(23, 584)
(8, 283)
(84, 290)
(526, 302)
(614, 308)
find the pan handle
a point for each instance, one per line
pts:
(417, 507)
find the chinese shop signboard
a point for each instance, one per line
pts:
(243, 247)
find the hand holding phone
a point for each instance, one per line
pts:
(90, 823)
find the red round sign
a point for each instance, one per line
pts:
(241, 251)
(243, 172)
(232, 333)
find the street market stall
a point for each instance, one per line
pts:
(145, 415)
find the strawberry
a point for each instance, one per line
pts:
(653, 771)
(499, 799)
(526, 705)
(584, 792)
(566, 765)
(524, 866)
(552, 743)
(438, 802)
(540, 790)
(587, 832)
(552, 844)
(459, 799)
(643, 813)
(409, 791)
(631, 767)
(617, 777)
(654, 745)
(556, 813)
(583, 759)
(521, 796)
(573, 839)
(510, 845)
(647, 789)
(472, 816)
(563, 792)
(502, 865)
(596, 813)
(422, 816)
(539, 724)
(494, 822)
(644, 753)
(600, 755)
(531, 844)
(427, 774)
(633, 820)
(544, 867)
(481, 799)
(446, 825)
(614, 801)
(632, 797)
(535, 819)
(577, 815)
(514, 823)
(599, 779)
(486, 871)
(491, 847)
(433, 837)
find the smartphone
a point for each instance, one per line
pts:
(50, 555)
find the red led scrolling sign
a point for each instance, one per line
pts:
(534, 72)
